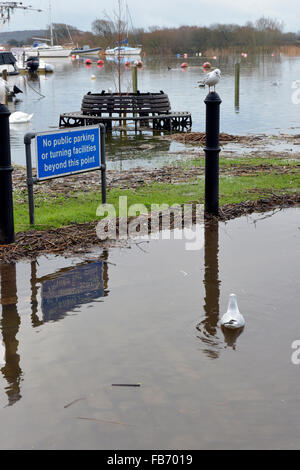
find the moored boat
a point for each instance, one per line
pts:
(44, 50)
(123, 51)
(86, 50)
(8, 62)
(32, 63)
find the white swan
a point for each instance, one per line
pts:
(233, 319)
(19, 118)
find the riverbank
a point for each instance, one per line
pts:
(66, 208)
(80, 237)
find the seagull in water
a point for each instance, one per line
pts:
(211, 79)
(233, 319)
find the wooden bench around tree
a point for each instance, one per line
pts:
(140, 108)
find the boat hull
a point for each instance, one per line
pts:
(49, 52)
(124, 51)
(85, 52)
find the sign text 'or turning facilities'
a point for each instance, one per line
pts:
(62, 153)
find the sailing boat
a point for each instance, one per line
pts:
(123, 48)
(42, 49)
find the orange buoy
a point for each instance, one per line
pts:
(184, 65)
(207, 65)
(73, 57)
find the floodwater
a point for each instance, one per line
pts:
(149, 314)
(265, 106)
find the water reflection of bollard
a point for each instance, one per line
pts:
(209, 326)
(7, 234)
(9, 327)
(212, 151)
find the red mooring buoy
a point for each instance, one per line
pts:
(184, 65)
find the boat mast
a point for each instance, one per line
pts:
(119, 48)
(51, 25)
(126, 19)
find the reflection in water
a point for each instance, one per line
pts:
(61, 293)
(231, 336)
(70, 289)
(237, 106)
(208, 328)
(9, 326)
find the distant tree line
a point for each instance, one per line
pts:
(265, 32)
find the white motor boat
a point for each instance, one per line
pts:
(22, 62)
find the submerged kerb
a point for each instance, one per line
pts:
(160, 222)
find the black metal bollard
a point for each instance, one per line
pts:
(212, 151)
(7, 234)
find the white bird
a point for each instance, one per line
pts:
(233, 319)
(211, 79)
(19, 118)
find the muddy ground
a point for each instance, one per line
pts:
(78, 238)
(237, 147)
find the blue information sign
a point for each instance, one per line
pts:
(65, 152)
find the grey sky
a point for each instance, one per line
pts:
(160, 12)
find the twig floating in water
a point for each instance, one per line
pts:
(126, 385)
(105, 421)
(73, 402)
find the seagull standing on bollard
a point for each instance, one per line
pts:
(211, 79)
(233, 319)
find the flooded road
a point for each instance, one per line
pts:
(149, 314)
(266, 88)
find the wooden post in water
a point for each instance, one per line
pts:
(237, 86)
(134, 88)
(134, 79)
(4, 76)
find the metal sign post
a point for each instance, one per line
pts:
(64, 153)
